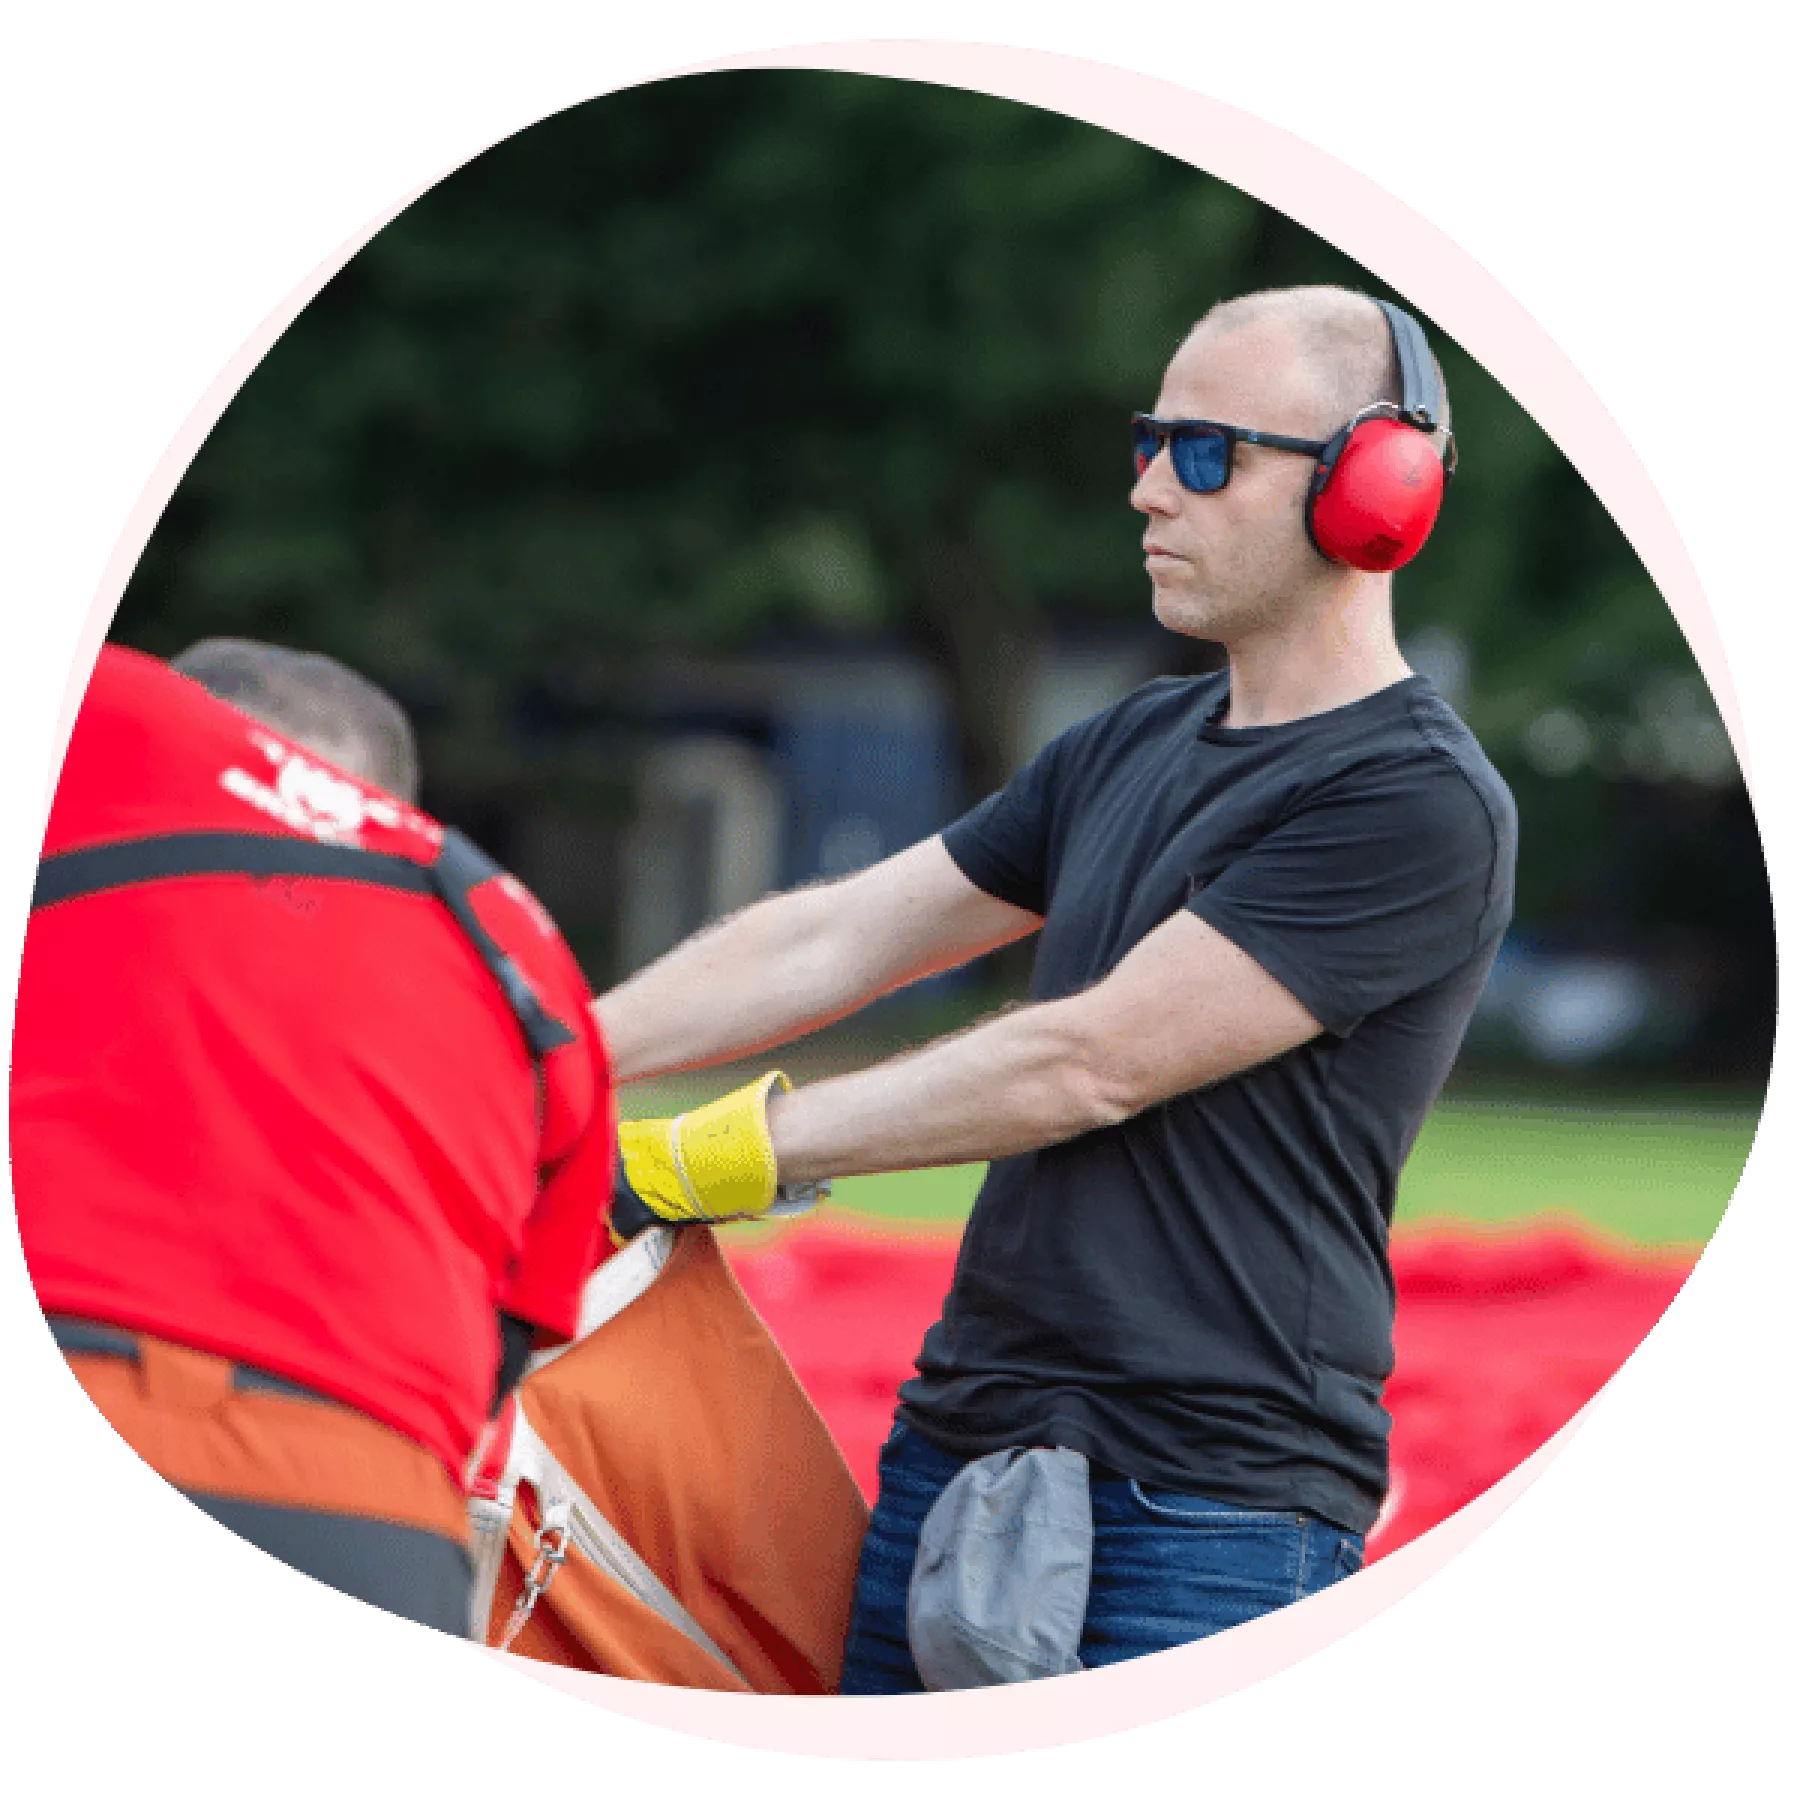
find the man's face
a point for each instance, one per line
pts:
(1230, 564)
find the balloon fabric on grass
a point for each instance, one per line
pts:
(1500, 1339)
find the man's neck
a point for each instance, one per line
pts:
(1315, 664)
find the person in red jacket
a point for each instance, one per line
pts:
(310, 1118)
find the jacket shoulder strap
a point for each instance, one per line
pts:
(458, 869)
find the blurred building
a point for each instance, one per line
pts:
(741, 776)
(754, 775)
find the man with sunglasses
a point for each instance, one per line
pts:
(1267, 900)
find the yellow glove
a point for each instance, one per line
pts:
(714, 1163)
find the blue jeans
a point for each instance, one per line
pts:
(1168, 1568)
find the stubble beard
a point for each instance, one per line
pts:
(1216, 610)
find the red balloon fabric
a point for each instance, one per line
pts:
(1499, 1341)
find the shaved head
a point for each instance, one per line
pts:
(1236, 563)
(1341, 342)
(316, 701)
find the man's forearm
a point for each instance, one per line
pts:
(1182, 1010)
(1017, 1082)
(799, 960)
(754, 980)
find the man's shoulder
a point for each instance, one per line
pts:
(1440, 732)
(576, 1072)
(1406, 757)
(1410, 726)
(1419, 775)
(522, 927)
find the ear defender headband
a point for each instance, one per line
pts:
(1376, 493)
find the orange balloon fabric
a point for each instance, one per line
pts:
(683, 1423)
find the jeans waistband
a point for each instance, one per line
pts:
(85, 1337)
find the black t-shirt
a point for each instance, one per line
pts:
(1200, 1297)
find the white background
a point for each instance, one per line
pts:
(175, 171)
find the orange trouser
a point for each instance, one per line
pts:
(325, 1488)
(682, 1422)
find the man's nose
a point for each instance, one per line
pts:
(1156, 490)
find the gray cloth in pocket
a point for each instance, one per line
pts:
(1000, 1583)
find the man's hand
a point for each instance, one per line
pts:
(713, 1164)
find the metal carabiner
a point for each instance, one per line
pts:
(550, 1552)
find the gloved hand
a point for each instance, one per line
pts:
(713, 1164)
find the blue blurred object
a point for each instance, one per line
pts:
(867, 759)
(1578, 1011)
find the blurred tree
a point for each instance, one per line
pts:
(743, 351)
(770, 353)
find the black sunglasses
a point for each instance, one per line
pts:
(1200, 449)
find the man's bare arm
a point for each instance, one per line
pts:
(799, 960)
(1185, 1009)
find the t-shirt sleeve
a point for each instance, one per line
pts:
(1372, 889)
(1003, 844)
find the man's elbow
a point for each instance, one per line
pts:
(829, 960)
(1103, 1083)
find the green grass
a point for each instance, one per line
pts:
(1651, 1178)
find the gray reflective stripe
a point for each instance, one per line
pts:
(248, 1380)
(77, 1337)
(82, 1337)
(488, 1524)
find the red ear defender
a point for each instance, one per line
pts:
(1377, 489)
(1376, 494)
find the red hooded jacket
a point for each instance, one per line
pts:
(288, 1119)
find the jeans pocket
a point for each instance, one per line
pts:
(1173, 1507)
(912, 1468)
